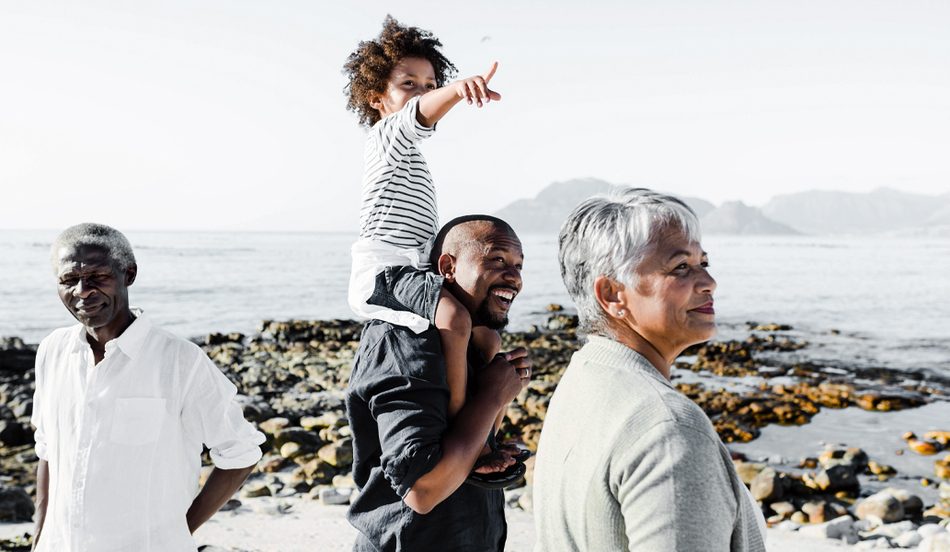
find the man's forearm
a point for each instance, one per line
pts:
(461, 445)
(218, 489)
(42, 499)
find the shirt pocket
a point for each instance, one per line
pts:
(137, 421)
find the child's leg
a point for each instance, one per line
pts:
(455, 328)
(488, 342)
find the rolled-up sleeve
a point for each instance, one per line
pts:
(409, 402)
(396, 134)
(211, 415)
(39, 375)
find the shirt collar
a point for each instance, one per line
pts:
(131, 340)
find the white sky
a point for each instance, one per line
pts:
(229, 115)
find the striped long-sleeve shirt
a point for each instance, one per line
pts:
(398, 204)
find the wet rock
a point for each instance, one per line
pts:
(854, 458)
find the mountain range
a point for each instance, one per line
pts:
(819, 212)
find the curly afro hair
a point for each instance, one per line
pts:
(368, 67)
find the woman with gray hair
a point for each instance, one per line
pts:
(625, 461)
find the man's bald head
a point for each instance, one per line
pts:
(466, 231)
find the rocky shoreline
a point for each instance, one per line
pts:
(292, 376)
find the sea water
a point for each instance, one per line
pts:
(859, 301)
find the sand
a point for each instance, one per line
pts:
(304, 525)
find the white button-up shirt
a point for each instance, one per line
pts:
(124, 438)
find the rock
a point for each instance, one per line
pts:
(881, 469)
(232, 504)
(788, 526)
(554, 307)
(882, 506)
(910, 539)
(767, 486)
(800, 518)
(836, 478)
(942, 467)
(331, 496)
(325, 420)
(255, 489)
(894, 530)
(838, 528)
(942, 437)
(274, 425)
(307, 439)
(855, 458)
(292, 450)
(929, 529)
(913, 505)
(15, 434)
(748, 470)
(818, 511)
(936, 543)
(784, 509)
(15, 505)
(339, 454)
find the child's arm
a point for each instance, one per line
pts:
(435, 104)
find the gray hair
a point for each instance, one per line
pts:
(98, 235)
(608, 235)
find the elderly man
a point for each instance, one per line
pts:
(409, 462)
(121, 411)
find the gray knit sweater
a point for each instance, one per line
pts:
(626, 462)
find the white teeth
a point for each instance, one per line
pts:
(504, 294)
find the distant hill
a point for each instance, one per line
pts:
(735, 217)
(883, 210)
(547, 211)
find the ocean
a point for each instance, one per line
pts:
(859, 301)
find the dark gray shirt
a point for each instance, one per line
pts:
(397, 402)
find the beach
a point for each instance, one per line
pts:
(761, 394)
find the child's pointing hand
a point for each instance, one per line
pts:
(475, 89)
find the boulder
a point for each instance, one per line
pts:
(882, 505)
(15, 504)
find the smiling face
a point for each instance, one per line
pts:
(485, 274)
(671, 303)
(93, 290)
(410, 77)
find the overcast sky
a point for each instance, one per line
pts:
(230, 114)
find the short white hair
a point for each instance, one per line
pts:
(98, 235)
(608, 235)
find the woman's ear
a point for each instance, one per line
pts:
(447, 267)
(607, 291)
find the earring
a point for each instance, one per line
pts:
(621, 313)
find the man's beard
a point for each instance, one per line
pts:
(484, 317)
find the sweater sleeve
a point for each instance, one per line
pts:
(673, 490)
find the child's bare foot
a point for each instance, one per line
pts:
(492, 462)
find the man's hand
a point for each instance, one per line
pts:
(475, 89)
(506, 375)
(498, 384)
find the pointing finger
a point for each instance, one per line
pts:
(491, 72)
